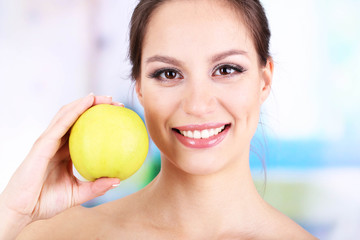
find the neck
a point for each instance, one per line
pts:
(218, 201)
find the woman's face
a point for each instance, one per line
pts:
(200, 74)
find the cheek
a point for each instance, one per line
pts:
(153, 113)
(158, 107)
(242, 101)
(152, 120)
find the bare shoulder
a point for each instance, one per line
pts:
(283, 227)
(292, 230)
(77, 221)
(106, 221)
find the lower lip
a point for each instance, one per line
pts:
(202, 142)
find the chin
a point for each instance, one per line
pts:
(198, 164)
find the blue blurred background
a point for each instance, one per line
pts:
(55, 51)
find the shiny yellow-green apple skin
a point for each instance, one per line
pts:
(108, 141)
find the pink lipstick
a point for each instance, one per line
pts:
(202, 135)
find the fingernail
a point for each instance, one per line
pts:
(116, 183)
(91, 94)
(108, 96)
(119, 104)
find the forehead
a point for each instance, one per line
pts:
(198, 26)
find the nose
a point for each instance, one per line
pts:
(199, 97)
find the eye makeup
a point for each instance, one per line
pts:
(166, 74)
(230, 69)
(225, 70)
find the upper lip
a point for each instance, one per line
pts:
(193, 127)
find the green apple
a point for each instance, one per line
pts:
(108, 141)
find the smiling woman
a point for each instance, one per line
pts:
(199, 79)
(202, 71)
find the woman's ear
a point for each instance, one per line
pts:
(267, 75)
(139, 91)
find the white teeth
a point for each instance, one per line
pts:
(197, 134)
(190, 134)
(217, 130)
(211, 132)
(206, 133)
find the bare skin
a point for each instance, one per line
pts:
(200, 193)
(143, 216)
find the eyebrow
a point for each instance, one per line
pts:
(221, 56)
(215, 58)
(164, 59)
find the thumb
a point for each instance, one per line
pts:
(90, 190)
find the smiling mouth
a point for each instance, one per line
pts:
(202, 134)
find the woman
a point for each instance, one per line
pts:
(202, 71)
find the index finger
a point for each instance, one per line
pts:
(69, 113)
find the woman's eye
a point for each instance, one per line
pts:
(169, 74)
(166, 74)
(228, 70)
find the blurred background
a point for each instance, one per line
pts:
(55, 51)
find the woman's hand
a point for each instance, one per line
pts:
(44, 184)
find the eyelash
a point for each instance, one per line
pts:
(237, 69)
(157, 74)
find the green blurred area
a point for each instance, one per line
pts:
(290, 198)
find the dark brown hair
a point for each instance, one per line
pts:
(251, 11)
